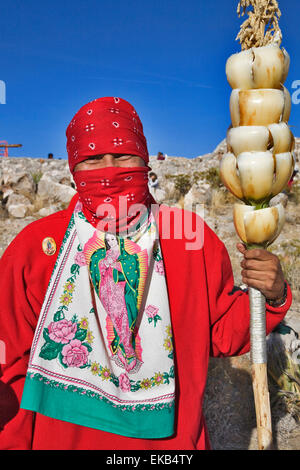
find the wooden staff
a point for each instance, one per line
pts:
(258, 355)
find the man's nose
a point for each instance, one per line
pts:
(109, 160)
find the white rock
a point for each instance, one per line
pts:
(25, 185)
(17, 210)
(11, 176)
(51, 190)
(15, 199)
(159, 195)
(280, 198)
(7, 192)
(18, 205)
(195, 196)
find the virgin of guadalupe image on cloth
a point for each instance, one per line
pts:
(118, 270)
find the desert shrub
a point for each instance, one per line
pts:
(290, 262)
(182, 183)
(285, 376)
(211, 176)
(294, 193)
(36, 178)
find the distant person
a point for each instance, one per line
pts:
(160, 156)
(153, 183)
(50, 155)
(291, 181)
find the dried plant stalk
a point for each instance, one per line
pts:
(262, 26)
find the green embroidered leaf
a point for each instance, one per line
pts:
(84, 366)
(156, 253)
(172, 372)
(50, 350)
(166, 378)
(92, 310)
(114, 379)
(48, 339)
(59, 315)
(88, 346)
(46, 335)
(74, 319)
(135, 387)
(74, 269)
(79, 248)
(80, 334)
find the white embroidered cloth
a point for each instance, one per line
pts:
(104, 334)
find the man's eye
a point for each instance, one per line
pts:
(124, 157)
(92, 160)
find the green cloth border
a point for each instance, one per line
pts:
(68, 406)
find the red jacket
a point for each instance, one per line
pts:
(208, 318)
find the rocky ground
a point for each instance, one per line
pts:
(34, 188)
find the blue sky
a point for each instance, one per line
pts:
(166, 57)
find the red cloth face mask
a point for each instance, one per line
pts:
(113, 198)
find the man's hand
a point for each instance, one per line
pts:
(262, 270)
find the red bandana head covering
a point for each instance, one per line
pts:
(105, 125)
(109, 126)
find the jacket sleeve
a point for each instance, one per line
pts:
(17, 324)
(25, 272)
(229, 305)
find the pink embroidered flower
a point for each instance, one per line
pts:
(75, 354)
(124, 383)
(159, 267)
(62, 331)
(80, 259)
(151, 311)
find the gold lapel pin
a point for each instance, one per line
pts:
(49, 246)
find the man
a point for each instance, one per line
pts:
(160, 156)
(110, 314)
(153, 182)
